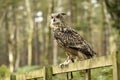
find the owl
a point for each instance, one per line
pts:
(74, 45)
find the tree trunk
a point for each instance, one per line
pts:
(89, 21)
(15, 36)
(73, 12)
(104, 30)
(30, 31)
(9, 43)
(24, 58)
(36, 51)
(49, 44)
(55, 51)
(113, 8)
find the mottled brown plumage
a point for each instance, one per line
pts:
(67, 38)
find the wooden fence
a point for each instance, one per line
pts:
(47, 72)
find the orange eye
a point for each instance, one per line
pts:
(58, 16)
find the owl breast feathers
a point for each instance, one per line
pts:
(71, 41)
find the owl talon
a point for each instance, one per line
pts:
(65, 64)
(62, 65)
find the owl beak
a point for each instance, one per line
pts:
(54, 20)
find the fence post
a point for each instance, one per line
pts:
(88, 74)
(116, 66)
(13, 77)
(47, 73)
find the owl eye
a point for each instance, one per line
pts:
(58, 16)
(51, 17)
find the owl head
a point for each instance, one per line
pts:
(57, 18)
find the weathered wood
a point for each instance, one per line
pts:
(47, 73)
(86, 64)
(12, 77)
(34, 74)
(88, 74)
(69, 76)
(116, 66)
(7, 78)
(20, 77)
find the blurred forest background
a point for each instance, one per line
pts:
(26, 38)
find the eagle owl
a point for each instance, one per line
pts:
(74, 45)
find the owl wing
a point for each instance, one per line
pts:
(69, 38)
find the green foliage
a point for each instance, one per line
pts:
(27, 69)
(102, 73)
(4, 72)
(114, 10)
(83, 26)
